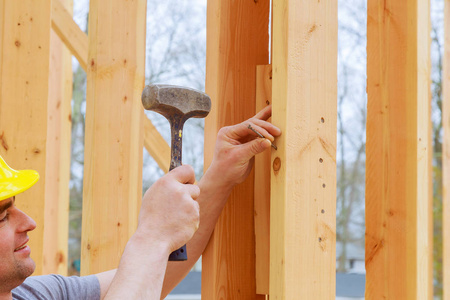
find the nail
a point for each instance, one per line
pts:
(261, 136)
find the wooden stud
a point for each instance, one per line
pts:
(58, 157)
(114, 138)
(398, 164)
(77, 41)
(262, 188)
(446, 153)
(237, 41)
(303, 176)
(69, 32)
(156, 146)
(25, 42)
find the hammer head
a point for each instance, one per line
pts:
(171, 100)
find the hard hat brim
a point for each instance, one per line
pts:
(18, 183)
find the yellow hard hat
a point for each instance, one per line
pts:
(14, 182)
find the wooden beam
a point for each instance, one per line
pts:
(156, 146)
(58, 156)
(69, 32)
(25, 42)
(398, 164)
(262, 188)
(303, 180)
(237, 41)
(114, 138)
(77, 41)
(446, 153)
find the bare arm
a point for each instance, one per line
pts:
(168, 218)
(105, 279)
(235, 147)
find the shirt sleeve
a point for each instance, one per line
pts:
(55, 287)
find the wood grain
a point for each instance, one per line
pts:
(25, 48)
(156, 146)
(77, 41)
(237, 41)
(398, 165)
(114, 137)
(69, 32)
(58, 157)
(303, 176)
(262, 188)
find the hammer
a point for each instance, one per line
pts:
(176, 104)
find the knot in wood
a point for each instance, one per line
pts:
(276, 165)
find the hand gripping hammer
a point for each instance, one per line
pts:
(176, 104)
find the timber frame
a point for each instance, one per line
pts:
(275, 242)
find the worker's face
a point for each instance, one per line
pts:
(15, 261)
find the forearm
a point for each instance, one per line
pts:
(212, 199)
(131, 280)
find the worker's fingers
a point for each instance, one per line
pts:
(241, 131)
(183, 174)
(250, 129)
(269, 127)
(253, 147)
(265, 113)
(258, 130)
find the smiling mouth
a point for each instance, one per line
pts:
(20, 248)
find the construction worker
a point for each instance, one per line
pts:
(173, 213)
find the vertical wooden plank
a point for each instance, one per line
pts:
(262, 188)
(77, 41)
(446, 152)
(23, 102)
(398, 210)
(423, 282)
(303, 176)
(237, 41)
(58, 157)
(114, 139)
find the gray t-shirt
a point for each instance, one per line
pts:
(57, 287)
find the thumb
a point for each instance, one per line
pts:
(254, 147)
